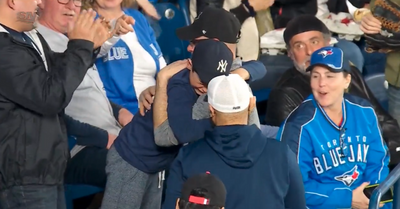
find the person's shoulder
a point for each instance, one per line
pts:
(181, 77)
(134, 13)
(192, 148)
(304, 113)
(357, 101)
(359, 106)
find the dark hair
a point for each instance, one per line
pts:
(198, 192)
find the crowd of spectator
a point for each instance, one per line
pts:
(187, 134)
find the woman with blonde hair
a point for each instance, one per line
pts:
(131, 64)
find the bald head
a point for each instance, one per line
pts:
(57, 15)
(19, 15)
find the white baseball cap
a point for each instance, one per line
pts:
(229, 93)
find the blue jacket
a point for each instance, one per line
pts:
(135, 143)
(247, 163)
(116, 69)
(318, 143)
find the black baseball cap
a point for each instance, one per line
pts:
(211, 185)
(210, 59)
(212, 23)
(301, 24)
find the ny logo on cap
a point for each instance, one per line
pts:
(222, 66)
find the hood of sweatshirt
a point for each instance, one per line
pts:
(239, 146)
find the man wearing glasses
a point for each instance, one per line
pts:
(89, 103)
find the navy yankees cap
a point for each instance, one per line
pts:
(204, 189)
(210, 59)
(212, 23)
(330, 57)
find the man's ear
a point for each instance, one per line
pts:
(11, 4)
(212, 111)
(252, 104)
(177, 203)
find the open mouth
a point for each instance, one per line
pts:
(69, 15)
(322, 93)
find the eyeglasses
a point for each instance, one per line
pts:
(343, 145)
(77, 3)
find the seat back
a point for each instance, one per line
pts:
(391, 182)
(376, 84)
(172, 47)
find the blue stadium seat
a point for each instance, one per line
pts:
(262, 95)
(171, 18)
(75, 191)
(375, 83)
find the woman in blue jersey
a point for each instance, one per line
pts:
(131, 64)
(336, 137)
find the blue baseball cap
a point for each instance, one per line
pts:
(330, 57)
(210, 59)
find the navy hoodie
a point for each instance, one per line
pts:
(258, 172)
(135, 142)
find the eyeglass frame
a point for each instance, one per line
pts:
(73, 1)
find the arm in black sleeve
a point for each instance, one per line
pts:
(116, 108)
(86, 134)
(241, 13)
(26, 82)
(281, 102)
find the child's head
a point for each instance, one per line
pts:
(203, 191)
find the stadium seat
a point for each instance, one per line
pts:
(75, 191)
(376, 84)
(172, 18)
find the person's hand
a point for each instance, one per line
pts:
(360, 201)
(149, 8)
(170, 70)
(84, 27)
(123, 25)
(146, 99)
(370, 25)
(124, 116)
(103, 32)
(259, 5)
(111, 139)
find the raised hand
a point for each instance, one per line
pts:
(102, 31)
(123, 25)
(84, 26)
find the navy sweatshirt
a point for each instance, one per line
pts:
(135, 142)
(258, 172)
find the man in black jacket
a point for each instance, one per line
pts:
(35, 87)
(303, 36)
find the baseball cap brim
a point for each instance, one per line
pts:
(311, 67)
(187, 33)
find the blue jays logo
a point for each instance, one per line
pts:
(349, 177)
(325, 53)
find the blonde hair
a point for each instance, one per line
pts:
(87, 4)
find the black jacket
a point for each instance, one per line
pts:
(294, 86)
(33, 137)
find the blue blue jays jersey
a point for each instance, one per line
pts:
(334, 160)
